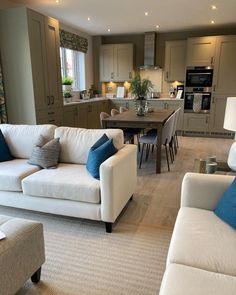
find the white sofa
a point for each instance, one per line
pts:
(202, 253)
(69, 189)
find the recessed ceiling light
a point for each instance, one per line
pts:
(146, 13)
(88, 18)
(213, 7)
(157, 26)
(57, 1)
(212, 22)
(108, 29)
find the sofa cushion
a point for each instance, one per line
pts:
(45, 153)
(5, 154)
(67, 181)
(12, 173)
(226, 207)
(99, 152)
(185, 280)
(76, 142)
(200, 239)
(21, 138)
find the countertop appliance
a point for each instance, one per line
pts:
(189, 100)
(155, 94)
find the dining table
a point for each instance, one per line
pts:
(153, 120)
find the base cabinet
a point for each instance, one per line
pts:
(217, 115)
(70, 116)
(196, 122)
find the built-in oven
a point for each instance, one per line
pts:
(205, 101)
(199, 77)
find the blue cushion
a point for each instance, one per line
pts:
(5, 154)
(99, 152)
(226, 207)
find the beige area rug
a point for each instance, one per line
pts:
(82, 259)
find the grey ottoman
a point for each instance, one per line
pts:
(21, 253)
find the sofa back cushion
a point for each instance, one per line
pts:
(22, 138)
(76, 142)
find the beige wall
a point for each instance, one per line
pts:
(6, 4)
(89, 54)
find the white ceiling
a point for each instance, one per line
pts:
(127, 16)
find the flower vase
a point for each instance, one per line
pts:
(140, 107)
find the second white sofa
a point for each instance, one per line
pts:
(69, 189)
(202, 253)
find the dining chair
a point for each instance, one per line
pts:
(128, 137)
(103, 116)
(176, 129)
(151, 139)
(114, 112)
(123, 109)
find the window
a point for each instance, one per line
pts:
(73, 66)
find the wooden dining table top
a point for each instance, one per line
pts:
(130, 117)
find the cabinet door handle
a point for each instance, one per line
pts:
(51, 121)
(112, 75)
(212, 60)
(213, 99)
(52, 99)
(130, 75)
(214, 87)
(51, 113)
(127, 105)
(48, 100)
(167, 74)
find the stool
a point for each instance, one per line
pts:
(21, 253)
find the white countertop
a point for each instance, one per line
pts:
(82, 101)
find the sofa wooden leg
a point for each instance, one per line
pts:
(36, 276)
(108, 226)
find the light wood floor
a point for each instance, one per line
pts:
(157, 197)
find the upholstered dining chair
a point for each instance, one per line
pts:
(151, 139)
(114, 112)
(127, 136)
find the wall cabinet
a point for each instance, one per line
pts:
(32, 77)
(225, 66)
(201, 51)
(116, 62)
(175, 60)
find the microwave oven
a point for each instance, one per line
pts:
(199, 77)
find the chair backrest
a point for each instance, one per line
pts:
(176, 113)
(114, 112)
(167, 130)
(123, 109)
(103, 116)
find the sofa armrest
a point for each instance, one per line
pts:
(118, 176)
(203, 190)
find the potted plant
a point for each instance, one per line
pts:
(66, 83)
(140, 88)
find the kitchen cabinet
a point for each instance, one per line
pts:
(117, 103)
(116, 62)
(175, 60)
(89, 113)
(32, 76)
(201, 51)
(225, 66)
(70, 116)
(217, 113)
(196, 122)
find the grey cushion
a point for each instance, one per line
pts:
(45, 153)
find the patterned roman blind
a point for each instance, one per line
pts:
(72, 41)
(3, 113)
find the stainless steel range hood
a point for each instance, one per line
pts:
(150, 52)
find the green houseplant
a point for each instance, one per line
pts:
(66, 83)
(140, 88)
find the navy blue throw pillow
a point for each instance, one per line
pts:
(226, 207)
(5, 154)
(99, 152)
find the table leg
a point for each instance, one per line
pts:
(159, 144)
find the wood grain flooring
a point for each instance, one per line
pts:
(157, 197)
